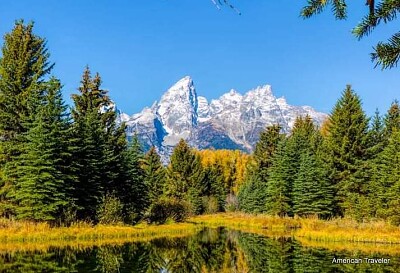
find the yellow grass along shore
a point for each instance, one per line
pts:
(309, 231)
(335, 230)
(16, 231)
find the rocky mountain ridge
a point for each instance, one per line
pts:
(233, 121)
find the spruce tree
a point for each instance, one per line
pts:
(185, 176)
(304, 137)
(214, 184)
(154, 175)
(286, 163)
(279, 186)
(24, 65)
(363, 201)
(376, 136)
(392, 119)
(100, 157)
(312, 193)
(90, 161)
(386, 181)
(346, 148)
(252, 195)
(41, 189)
(266, 146)
(134, 191)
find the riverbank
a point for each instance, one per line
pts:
(27, 232)
(336, 230)
(310, 229)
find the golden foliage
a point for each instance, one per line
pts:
(325, 127)
(233, 163)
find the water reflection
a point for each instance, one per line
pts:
(211, 250)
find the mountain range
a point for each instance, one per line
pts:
(234, 121)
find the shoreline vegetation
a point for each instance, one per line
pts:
(336, 234)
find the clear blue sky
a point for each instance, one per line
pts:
(142, 47)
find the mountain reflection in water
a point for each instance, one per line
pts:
(210, 250)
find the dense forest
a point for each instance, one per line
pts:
(62, 164)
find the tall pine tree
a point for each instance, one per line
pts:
(346, 148)
(312, 192)
(154, 175)
(392, 119)
(266, 146)
(24, 65)
(100, 158)
(252, 195)
(41, 189)
(214, 184)
(386, 181)
(279, 186)
(376, 135)
(284, 172)
(185, 176)
(134, 191)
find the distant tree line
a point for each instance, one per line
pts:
(63, 165)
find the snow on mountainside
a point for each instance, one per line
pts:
(233, 121)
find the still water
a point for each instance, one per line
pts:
(210, 250)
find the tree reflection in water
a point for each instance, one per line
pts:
(211, 250)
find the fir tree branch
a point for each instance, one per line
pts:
(387, 54)
(314, 7)
(385, 11)
(339, 9)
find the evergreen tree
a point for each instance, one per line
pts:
(134, 191)
(252, 195)
(214, 184)
(41, 190)
(279, 186)
(386, 181)
(266, 146)
(376, 136)
(346, 148)
(90, 161)
(100, 158)
(362, 201)
(304, 137)
(154, 175)
(185, 176)
(392, 119)
(286, 163)
(312, 193)
(24, 65)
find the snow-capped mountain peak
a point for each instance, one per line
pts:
(233, 121)
(177, 109)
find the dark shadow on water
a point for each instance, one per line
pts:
(210, 250)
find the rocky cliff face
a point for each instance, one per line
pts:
(233, 121)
